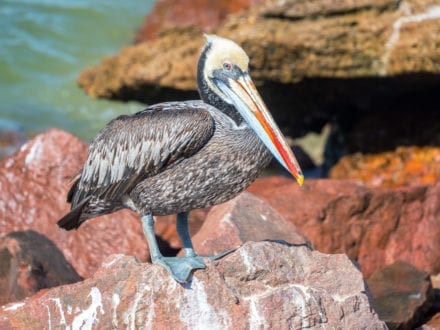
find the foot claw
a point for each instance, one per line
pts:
(222, 254)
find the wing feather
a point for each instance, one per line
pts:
(131, 148)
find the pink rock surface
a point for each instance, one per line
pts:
(261, 285)
(242, 219)
(375, 226)
(33, 188)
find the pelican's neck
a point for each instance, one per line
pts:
(209, 96)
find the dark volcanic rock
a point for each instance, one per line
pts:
(261, 285)
(374, 226)
(402, 295)
(30, 262)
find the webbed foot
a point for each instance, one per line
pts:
(180, 268)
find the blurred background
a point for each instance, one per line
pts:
(43, 47)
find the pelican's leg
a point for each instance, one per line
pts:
(183, 231)
(179, 268)
(148, 227)
(188, 249)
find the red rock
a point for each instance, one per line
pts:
(33, 189)
(261, 285)
(402, 295)
(30, 262)
(374, 226)
(406, 166)
(242, 219)
(433, 323)
(204, 14)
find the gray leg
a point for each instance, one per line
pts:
(179, 268)
(148, 227)
(183, 231)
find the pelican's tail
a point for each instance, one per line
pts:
(74, 218)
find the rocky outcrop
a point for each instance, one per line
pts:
(379, 33)
(30, 262)
(261, 285)
(374, 226)
(359, 65)
(407, 166)
(402, 295)
(170, 14)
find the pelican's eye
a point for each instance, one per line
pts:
(227, 65)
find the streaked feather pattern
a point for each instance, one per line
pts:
(132, 148)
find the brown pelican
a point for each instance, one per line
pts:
(177, 156)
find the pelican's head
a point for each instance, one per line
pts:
(223, 73)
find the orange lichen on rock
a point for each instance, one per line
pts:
(406, 166)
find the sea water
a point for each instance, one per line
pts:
(44, 45)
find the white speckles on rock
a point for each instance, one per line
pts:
(433, 12)
(247, 261)
(116, 257)
(140, 298)
(34, 151)
(197, 313)
(256, 319)
(61, 311)
(13, 307)
(115, 302)
(89, 316)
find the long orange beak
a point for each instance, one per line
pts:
(249, 103)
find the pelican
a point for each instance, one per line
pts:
(174, 157)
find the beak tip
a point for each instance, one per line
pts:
(300, 179)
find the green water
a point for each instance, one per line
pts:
(43, 47)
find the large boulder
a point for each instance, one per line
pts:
(261, 285)
(374, 226)
(33, 189)
(244, 218)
